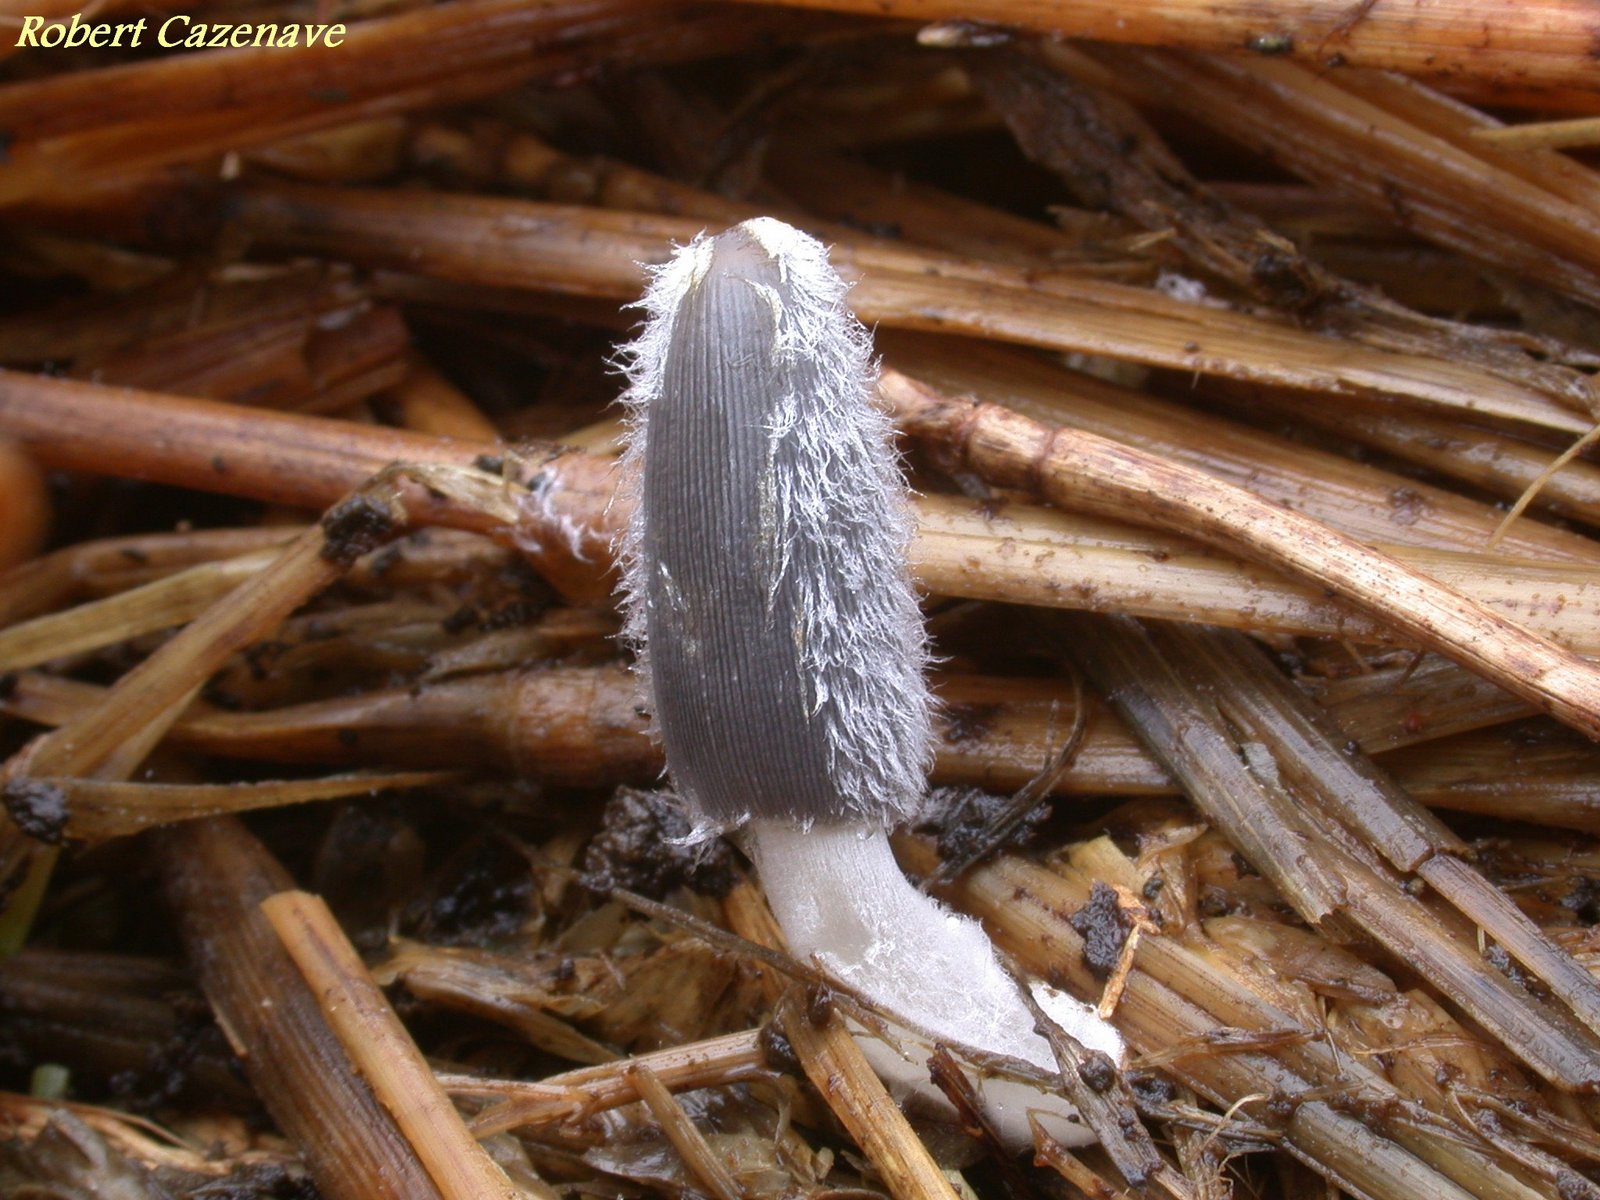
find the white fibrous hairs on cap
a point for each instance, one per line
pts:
(764, 580)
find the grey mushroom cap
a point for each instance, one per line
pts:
(765, 571)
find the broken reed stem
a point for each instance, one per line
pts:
(96, 809)
(286, 458)
(216, 875)
(1502, 42)
(602, 253)
(1325, 881)
(307, 461)
(731, 1058)
(426, 402)
(1017, 553)
(1377, 506)
(1071, 468)
(1238, 243)
(1506, 466)
(190, 107)
(577, 726)
(73, 573)
(1397, 147)
(282, 458)
(1543, 135)
(111, 740)
(24, 507)
(1178, 995)
(839, 1071)
(850, 1087)
(159, 605)
(1339, 785)
(686, 1139)
(382, 1051)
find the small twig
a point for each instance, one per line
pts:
(689, 1142)
(1074, 468)
(382, 1050)
(1026, 800)
(1532, 490)
(1141, 924)
(216, 875)
(97, 808)
(1540, 47)
(1100, 1094)
(731, 1058)
(840, 1072)
(849, 1086)
(1543, 135)
(1049, 1152)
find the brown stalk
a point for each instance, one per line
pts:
(839, 1071)
(519, 160)
(1018, 554)
(351, 1143)
(687, 1140)
(92, 328)
(1375, 505)
(112, 739)
(1110, 157)
(1544, 135)
(598, 252)
(1548, 780)
(97, 809)
(188, 107)
(78, 426)
(1499, 42)
(133, 608)
(113, 566)
(841, 189)
(24, 507)
(1504, 465)
(158, 605)
(287, 363)
(1399, 149)
(426, 402)
(109, 1013)
(289, 459)
(1073, 468)
(109, 740)
(732, 1058)
(382, 1051)
(1418, 700)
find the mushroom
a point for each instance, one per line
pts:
(781, 648)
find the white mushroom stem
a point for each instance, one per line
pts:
(842, 902)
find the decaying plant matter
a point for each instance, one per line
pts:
(1247, 389)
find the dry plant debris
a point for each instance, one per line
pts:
(1245, 364)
